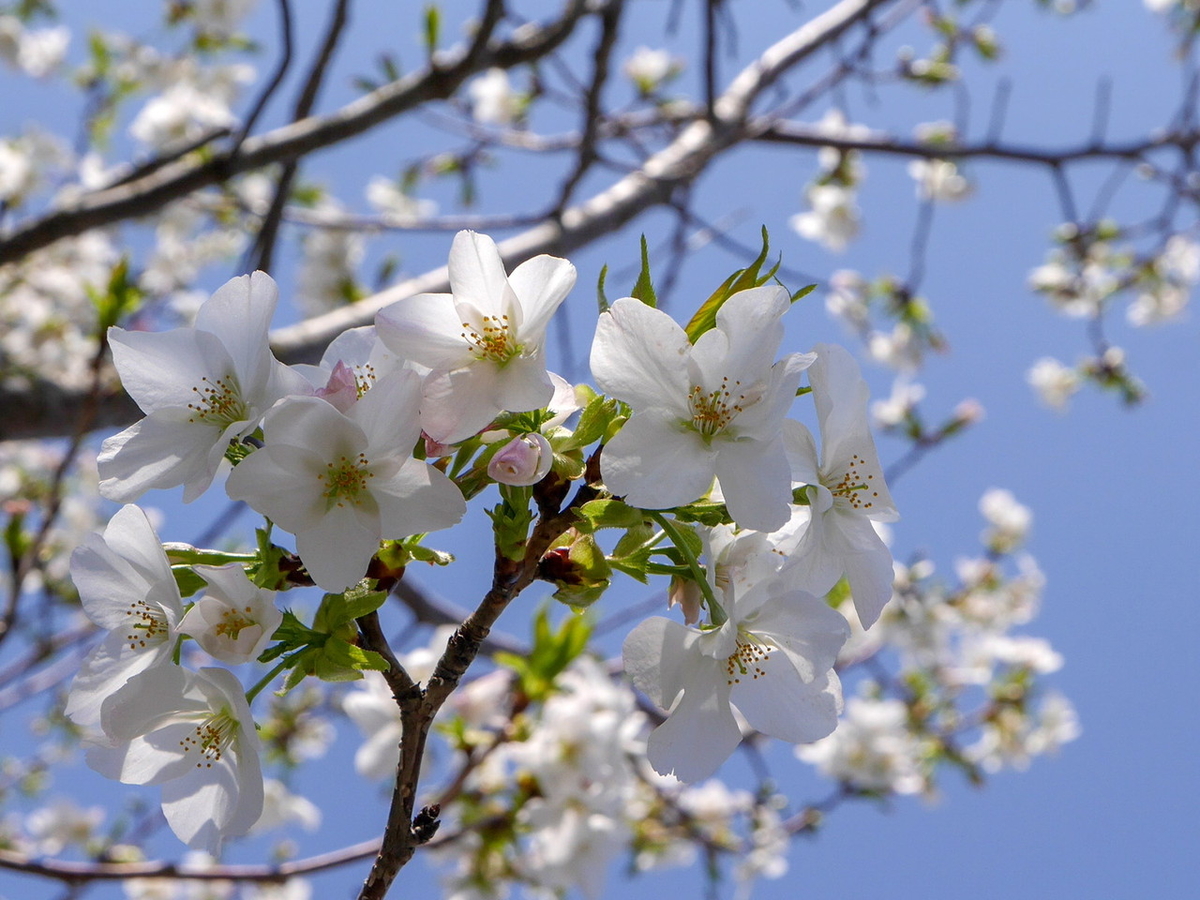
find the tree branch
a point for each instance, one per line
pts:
(150, 193)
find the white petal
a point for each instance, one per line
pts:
(654, 654)
(338, 548)
(701, 732)
(106, 670)
(146, 701)
(756, 481)
(281, 483)
(523, 384)
(781, 704)
(239, 313)
(477, 276)
(199, 804)
(804, 626)
(315, 425)
(764, 419)
(752, 321)
(655, 463)
(427, 329)
(801, 450)
(160, 451)
(160, 369)
(418, 498)
(640, 355)
(459, 404)
(389, 414)
(155, 758)
(541, 284)
(742, 346)
(867, 563)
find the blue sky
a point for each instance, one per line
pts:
(1112, 490)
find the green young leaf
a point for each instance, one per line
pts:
(803, 292)
(593, 424)
(360, 601)
(433, 28)
(601, 297)
(634, 550)
(188, 581)
(705, 318)
(643, 288)
(599, 514)
(706, 512)
(339, 655)
(120, 298)
(551, 653)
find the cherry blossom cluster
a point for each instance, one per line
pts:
(387, 438)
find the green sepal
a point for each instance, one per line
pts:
(800, 495)
(511, 519)
(292, 634)
(179, 554)
(398, 554)
(838, 594)
(268, 572)
(643, 288)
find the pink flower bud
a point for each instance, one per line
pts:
(522, 461)
(342, 389)
(435, 449)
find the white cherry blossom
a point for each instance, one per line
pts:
(191, 733)
(832, 219)
(493, 100)
(483, 342)
(341, 482)
(234, 620)
(126, 586)
(200, 388)
(772, 659)
(713, 409)
(1055, 383)
(846, 489)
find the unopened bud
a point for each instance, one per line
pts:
(522, 461)
(342, 389)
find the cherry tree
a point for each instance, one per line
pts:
(201, 288)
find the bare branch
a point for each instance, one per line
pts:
(146, 195)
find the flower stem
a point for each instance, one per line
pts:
(265, 680)
(715, 611)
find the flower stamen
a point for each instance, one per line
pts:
(855, 488)
(744, 661)
(218, 402)
(210, 739)
(493, 341)
(345, 479)
(149, 625)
